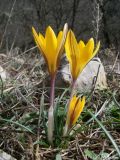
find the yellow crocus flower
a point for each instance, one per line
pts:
(75, 108)
(79, 54)
(51, 46)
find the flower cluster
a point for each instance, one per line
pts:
(78, 55)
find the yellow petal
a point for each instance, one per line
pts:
(97, 48)
(71, 108)
(89, 47)
(39, 41)
(74, 56)
(78, 109)
(42, 39)
(59, 38)
(58, 53)
(51, 41)
(67, 48)
(42, 42)
(50, 49)
(81, 48)
(72, 53)
(36, 37)
(81, 44)
(86, 53)
(74, 46)
(61, 42)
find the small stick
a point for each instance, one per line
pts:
(115, 62)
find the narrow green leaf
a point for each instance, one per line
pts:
(107, 133)
(103, 106)
(18, 124)
(115, 100)
(42, 143)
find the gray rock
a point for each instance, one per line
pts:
(5, 156)
(88, 18)
(87, 78)
(112, 21)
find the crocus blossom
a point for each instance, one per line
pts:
(51, 46)
(75, 108)
(79, 54)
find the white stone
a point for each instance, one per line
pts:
(86, 79)
(3, 74)
(5, 156)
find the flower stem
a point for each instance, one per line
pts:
(52, 90)
(72, 93)
(72, 90)
(51, 111)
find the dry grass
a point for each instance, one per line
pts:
(19, 114)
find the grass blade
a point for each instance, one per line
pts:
(18, 124)
(107, 133)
